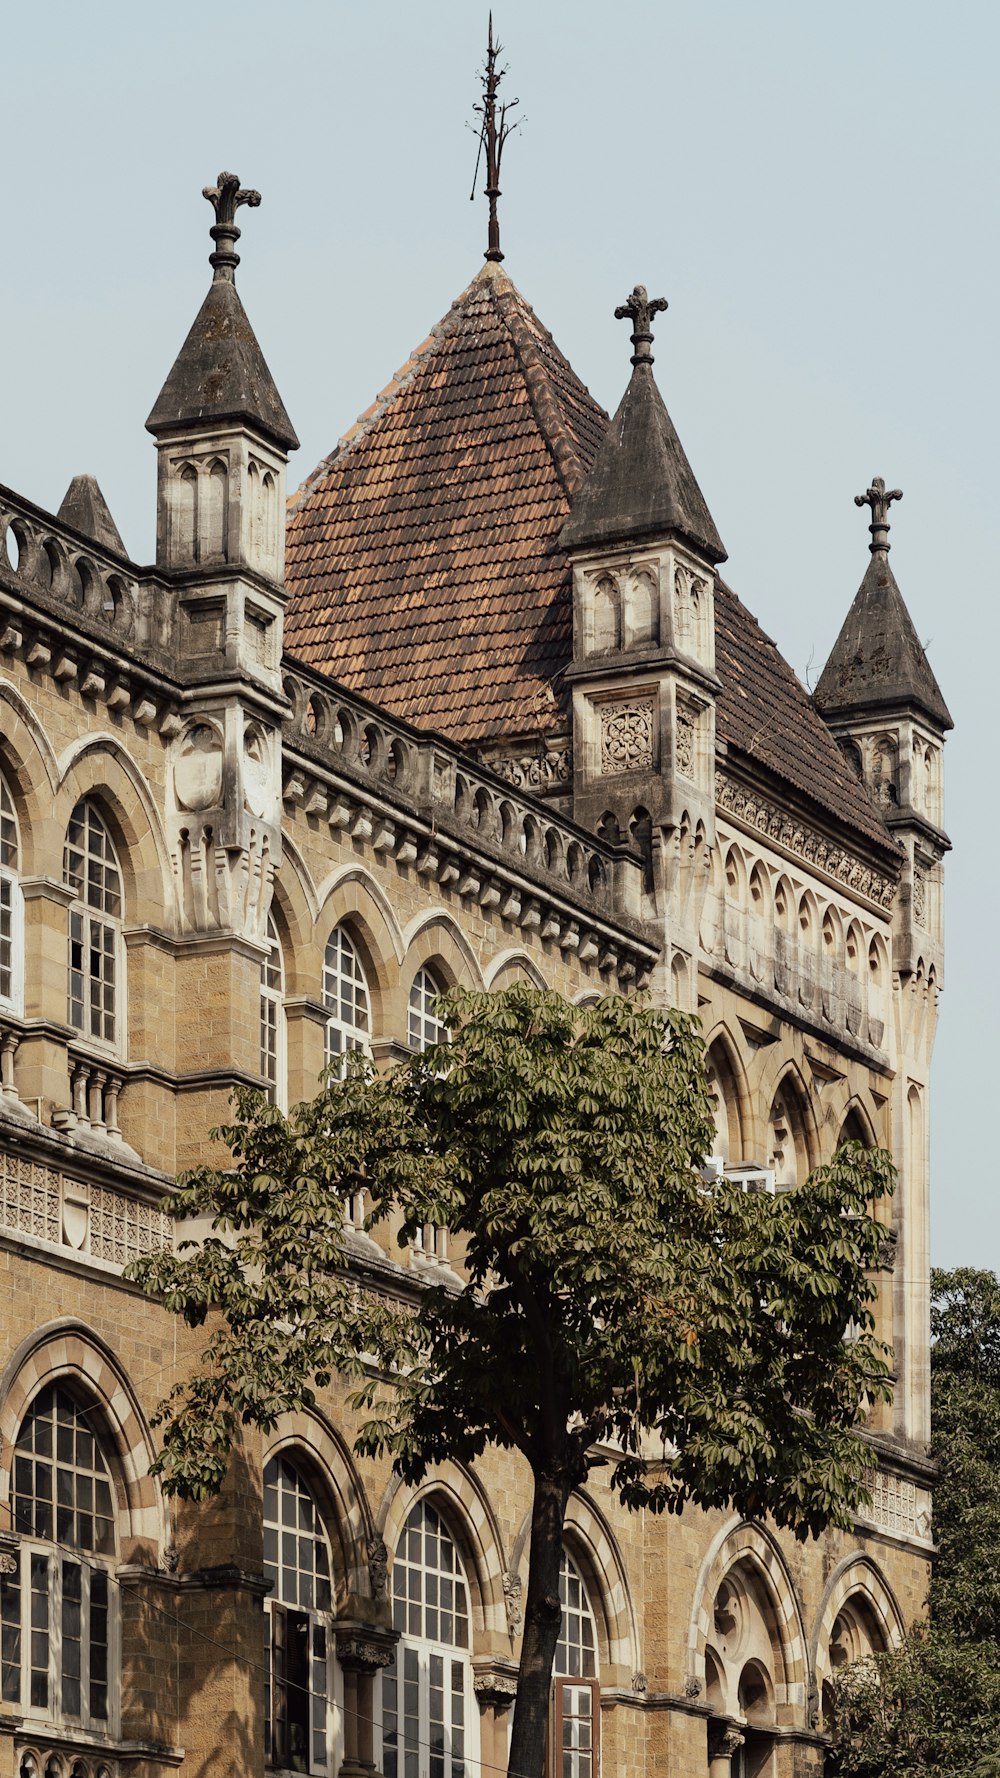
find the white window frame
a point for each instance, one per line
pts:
(54, 1557)
(423, 1027)
(419, 1652)
(10, 891)
(325, 1688)
(566, 1682)
(272, 1006)
(340, 983)
(97, 919)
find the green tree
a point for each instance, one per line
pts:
(722, 1343)
(930, 1709)
(933, 1706)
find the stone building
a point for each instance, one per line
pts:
(485, 711)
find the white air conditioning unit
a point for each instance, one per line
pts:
(751, 1177)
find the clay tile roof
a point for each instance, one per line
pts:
(764, 712)
(422, 558)
(424, 569)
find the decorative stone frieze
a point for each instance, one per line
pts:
(95, 1221)
(899, 1507)
(535, 771)
(775, 824)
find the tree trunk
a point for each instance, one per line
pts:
(542, 1619)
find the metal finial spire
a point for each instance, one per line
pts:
(493, 134)
(880, 502)
(640, 310)
(225, 197)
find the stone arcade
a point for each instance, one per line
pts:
(485, 711)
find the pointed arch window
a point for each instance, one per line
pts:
(576, 1713)
(90, 870)
(298, 1717)
(424, 1028)
(11, 907)
(345, 994)
(59, 1609)
(428, 1720)
(272, 1017)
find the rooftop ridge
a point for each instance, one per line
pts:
(399, 381)
(544, 401)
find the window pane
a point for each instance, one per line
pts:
(345, 992)
(576, 1652)
(423, 1025)
(10, 1636)
(90, 870)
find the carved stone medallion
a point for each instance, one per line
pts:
(627, 736)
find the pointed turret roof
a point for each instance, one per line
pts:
(85, 508)
(641, 485)
(878, 661)
(220, 372)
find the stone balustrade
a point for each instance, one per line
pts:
(428, 804)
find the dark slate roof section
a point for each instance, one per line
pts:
(424, 569)
(220, 374)
(764, 712)
(641, 485)
(422, 563)
(878, 661)
(85, 508)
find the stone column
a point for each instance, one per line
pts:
(724, 1741)
(362, 1652)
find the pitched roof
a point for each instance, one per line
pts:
(764, 712)
(641, 484)
(220, 373)
(424, 568)
(85, 508)
(422, 559)
(878, 660)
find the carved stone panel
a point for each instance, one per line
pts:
(626, 736)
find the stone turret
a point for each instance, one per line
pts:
(644, 549)
(879, 696)
(881, 700)
(222, 438)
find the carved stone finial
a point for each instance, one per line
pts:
(225, 197)
(640, 310)
(493, 132)
(880, 502)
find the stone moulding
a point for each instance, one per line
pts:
(776, 825)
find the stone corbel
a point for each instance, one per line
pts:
(494, 1682)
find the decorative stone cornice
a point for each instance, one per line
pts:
(793, 835)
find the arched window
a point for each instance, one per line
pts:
(272, 1018)
(427, 1691)
(297, 1721)
(423, 1025)
(90, 870)
(345, 994)
(58, 1611)
(11, 908)
(576, 1701)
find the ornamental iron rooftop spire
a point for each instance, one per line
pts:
(225, 197)
(493, 133)
(640, 309)
(880, 502)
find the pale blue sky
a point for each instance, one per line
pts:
(813, 188)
